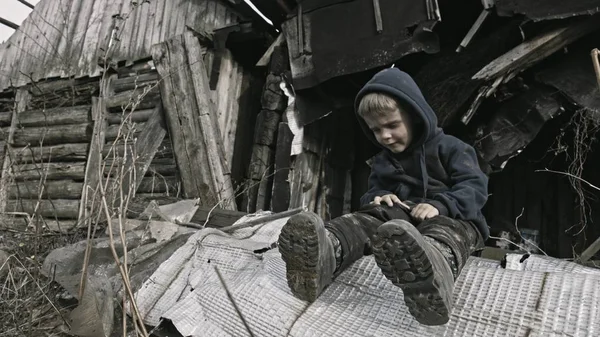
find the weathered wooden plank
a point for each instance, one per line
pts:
(50, 189)
(55, 116)
(260, 179)
(51, 171)
(59, 208)
(91, 40)
(530, 52)
(209, 124)
(147, 144)
(157, 23)
(304, 178)
(143, 26)
(111, 150)
(280, 200)
(63, 152)
(52, 135)
(192, 122)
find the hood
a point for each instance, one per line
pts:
(400, 85)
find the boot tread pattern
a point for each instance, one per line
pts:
(399, 253)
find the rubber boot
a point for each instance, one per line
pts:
(309, 255)
(425, 262)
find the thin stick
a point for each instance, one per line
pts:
(249, 223)
(595, 54)
(237, 309)
(572, 176)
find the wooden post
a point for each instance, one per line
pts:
(93, 168)
(191, 119)
(21, 102)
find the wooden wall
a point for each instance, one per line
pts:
(69, 37)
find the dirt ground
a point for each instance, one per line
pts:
(30, 303)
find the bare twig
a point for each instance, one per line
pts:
(237, 309)
(572, 176)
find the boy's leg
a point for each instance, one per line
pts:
(315, 252)
(425, 261)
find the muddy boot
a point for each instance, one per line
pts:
(424, 263)
(309, 255)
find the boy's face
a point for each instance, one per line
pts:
(392, 129)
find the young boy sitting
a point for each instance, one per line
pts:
(421, 178)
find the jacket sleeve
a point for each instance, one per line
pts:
(375, 187)
(469, 185)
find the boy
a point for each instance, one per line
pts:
(421, 178)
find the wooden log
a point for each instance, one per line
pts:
(137, 116)
(191, 120)
(59, 208)
(267, 123)
(21, 223)
(138, 99)
(280, 200)
(23, 98)
(530, 52)
(5, 118)
(117, 149)
(51, 189)
(55, 116)
(273, 98)
(135, 82)
(51, 171)
(62, 152)
(52, 135)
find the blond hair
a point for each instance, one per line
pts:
(376, 104)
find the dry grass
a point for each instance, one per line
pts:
(30, 303)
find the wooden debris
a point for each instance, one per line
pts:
(58, 208)
(530, 52)
(50, 171)
(55, 116)
(280, 199)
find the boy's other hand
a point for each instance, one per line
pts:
(388, 199)
(424, 211)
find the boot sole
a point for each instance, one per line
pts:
(405, 259)
(299, 248)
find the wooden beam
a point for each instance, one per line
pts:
(266, 58)
(146, 146)
(530, 52)
(192, 122)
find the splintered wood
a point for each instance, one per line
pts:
(192, 121)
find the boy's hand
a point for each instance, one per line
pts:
(389, 199)
(424, 211)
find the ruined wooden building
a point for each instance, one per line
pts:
(203, 99)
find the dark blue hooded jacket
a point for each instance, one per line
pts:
(436, 168)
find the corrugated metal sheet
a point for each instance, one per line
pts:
(63, 38)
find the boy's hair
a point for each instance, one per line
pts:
(376, 104)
